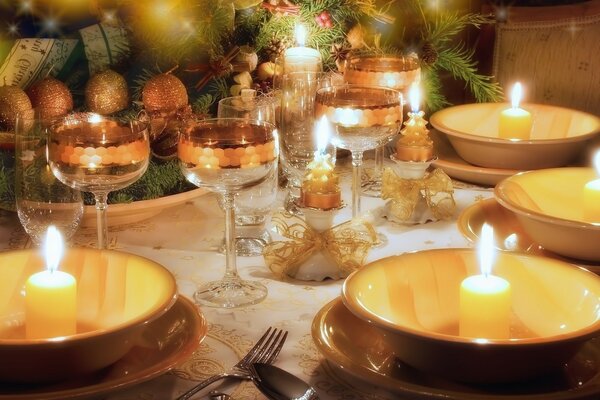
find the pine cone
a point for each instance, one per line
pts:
(429, 54)
(275, 48)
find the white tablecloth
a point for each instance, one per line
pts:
(184, 239)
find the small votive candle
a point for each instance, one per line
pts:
(51, 296)
(515, 122)
(485, 299)
(414, 143)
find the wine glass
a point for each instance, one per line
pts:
(227, 155)
(397, 72)
(252, 205)
(98, 154)
(364, 118)
(41, 199)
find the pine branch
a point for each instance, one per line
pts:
(447, 25)
(432, 88)
(458, 61)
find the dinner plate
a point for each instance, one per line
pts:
(167, 341)
(451, 163)
(360, 350)
(119, 214)
(509, 234)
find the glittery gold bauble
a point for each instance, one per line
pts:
(106, 93)
(51, 97)
(12, 101)
(164, 92)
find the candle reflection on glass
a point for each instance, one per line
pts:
(485, 299)
(51, 295)
(591, 195)
(515, 122)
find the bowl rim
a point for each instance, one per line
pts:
(141, 320)
(519, 210)
(452, 132)
(364, 314)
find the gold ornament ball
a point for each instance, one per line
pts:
(13, 100)
(106, 93)
(164, 92)
(51, 97)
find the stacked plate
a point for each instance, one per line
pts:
(396, 326)
(470, 148)
(129, 327)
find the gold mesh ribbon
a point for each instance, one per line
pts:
(347, 244)
(435, 187)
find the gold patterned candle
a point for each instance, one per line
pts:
(414, 143)
(320, 187)
(394, 72)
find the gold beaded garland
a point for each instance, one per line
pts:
(12, 101)
(164, 92)
(51, 97)
(106, 93)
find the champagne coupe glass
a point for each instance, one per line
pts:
(41, 199)
(397, 72)
(252, 205)
(98, 154)
(227, 155)
(364, 118)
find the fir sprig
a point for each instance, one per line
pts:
(458, 60)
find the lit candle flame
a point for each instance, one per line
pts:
(323, 133)
(486, 252)
(597, 162)
(516, 95)
(414, 96)
(53, 248)
(300, 34)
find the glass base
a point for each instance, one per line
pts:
(382, 240)
(249, 243)
(371, 188)
(230, 293)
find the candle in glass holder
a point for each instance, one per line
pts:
(515, 122)
(485, 299)
(301, 58)
(51, 296)
(591, 195)
(414, 143)
(320, 187)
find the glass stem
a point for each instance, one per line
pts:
(101, 226)
(230, 254)
(357, 157)
(379, 156)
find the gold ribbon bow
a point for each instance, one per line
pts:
(347, 244)
(435, 187)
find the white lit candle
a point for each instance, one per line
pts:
(51, 296)
(301, 58)
(515, 122)
(591, 195)
(485, 299)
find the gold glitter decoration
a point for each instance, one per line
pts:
(106, 93)
(164, 92)
(12, 101)
(51, 96)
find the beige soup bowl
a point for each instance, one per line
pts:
(413, 299)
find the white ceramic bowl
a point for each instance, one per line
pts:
(413, 300)
(557, 137)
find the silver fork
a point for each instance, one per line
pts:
(265, 350)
